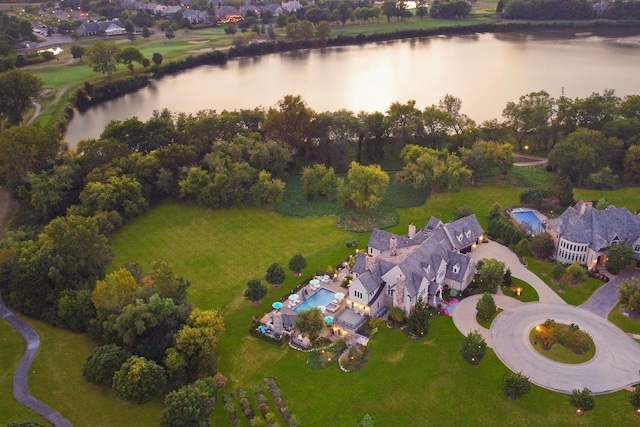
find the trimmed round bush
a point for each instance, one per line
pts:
(103, 363)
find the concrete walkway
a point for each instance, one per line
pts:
(615, 365)
(21, 376)
(606, 297)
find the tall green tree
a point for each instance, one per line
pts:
(255, 290)
(139, 380)
(542, 245)
(491, 275)
(575, 274)
(72, 252)
(103, 57)
(129, 55)
(438, 170)
(18, 90)
(630, 294)
(194, 350)
(275, 274)
(310, 322)
(364, 188)
(473, 348)
(297, 263)
(620, 257)
(267, 191)
(418, 319)
(530, 119)
(486, 307)
(190, 406)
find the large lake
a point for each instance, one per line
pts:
(485, 71)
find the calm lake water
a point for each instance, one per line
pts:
(485, 71)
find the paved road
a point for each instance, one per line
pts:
(615, 365)
(606, 297)
(21, 376)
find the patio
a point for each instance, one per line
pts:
(286, 309)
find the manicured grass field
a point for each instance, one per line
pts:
(623, 322)
(528, 292)
(406, 382)
(11, 349)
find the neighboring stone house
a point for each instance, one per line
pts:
(582, 234)
(397, 270)
(107, 28)
(197, 16)
(291, 6)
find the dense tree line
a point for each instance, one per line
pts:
(548, 9)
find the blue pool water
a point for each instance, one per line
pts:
(530, 218)
(321, 297)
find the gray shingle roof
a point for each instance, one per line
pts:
(598, 228)
(360, 265)
(370, 281)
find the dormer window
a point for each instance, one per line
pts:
(456, 269)
(468, 234)
(460, 237)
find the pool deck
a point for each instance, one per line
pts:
(334, 285)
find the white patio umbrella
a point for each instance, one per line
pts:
(339, 296)
(322, 308)
(294, 297)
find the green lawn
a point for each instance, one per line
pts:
(11, 349)
(574, 295)
(406, 382)
(623, 322)
(528, 292)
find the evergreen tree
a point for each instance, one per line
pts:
(486, 307)
(515, 385)
(564, 191)
(418, 320)
(507, 276)
(255, 290)
(275, 274)
(297, 263)
(582, 399)
(473, 348)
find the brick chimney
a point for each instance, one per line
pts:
(399, 294)
(586, 206)
(393, 245)
(412, 231)
(370, 262)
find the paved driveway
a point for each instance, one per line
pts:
(606, 297)
(615, 365)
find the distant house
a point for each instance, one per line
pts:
(107, 28)
(291, 6)
(398, 270)
(197, 16)
(582, 234)
(171, 11)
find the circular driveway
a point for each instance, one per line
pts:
(615, 365)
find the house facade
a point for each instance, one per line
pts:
(398, 270)
(107, 28)
(582, 234)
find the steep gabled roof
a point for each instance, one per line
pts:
(360, 265)
(370, 281)
(463, 232)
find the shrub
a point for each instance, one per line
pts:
(473, 348)
(582, 399)
(139, 380)
(515, 385)
(486, 307)
(418, 320)
(634, 397)
(103, 363)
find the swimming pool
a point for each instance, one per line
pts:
(322, 297)
(530, 219)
